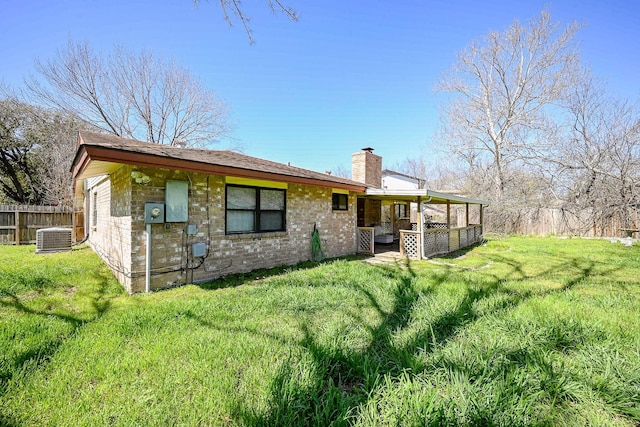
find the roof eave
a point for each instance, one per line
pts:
(89, 153)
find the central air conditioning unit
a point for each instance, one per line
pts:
(53, 240)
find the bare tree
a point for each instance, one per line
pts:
(234, 8)
(417, 168)
(598, 162)
(535, 131)
(506, 88)
(36, 150)
(55, 154)
(435, 172)
(131, 95)
(340, 171)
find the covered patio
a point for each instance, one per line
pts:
(414, 234)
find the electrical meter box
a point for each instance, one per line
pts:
(176, 199)
(153, 213)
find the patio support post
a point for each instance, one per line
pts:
(482, 217)
(420, 229)
(467, 215)
(448, 214)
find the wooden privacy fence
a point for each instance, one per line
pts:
(554, 221)
(19, 223)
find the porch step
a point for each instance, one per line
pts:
(384, 258)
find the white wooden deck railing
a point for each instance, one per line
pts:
(437, 241)
(433, 241)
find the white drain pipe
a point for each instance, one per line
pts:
(421, 224)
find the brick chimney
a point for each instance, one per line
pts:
(366, 167)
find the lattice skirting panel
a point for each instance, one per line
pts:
(438, 225)
(478, 234)
(429, 242)
(442, 239)
(464, 238)
(411, 245)
(455, 239)
(436, 243)
(365, 237)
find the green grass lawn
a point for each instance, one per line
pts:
(521, 331)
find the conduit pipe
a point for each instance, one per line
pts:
(147, 270)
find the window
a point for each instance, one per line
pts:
(340, 202)
(254, 209)
(401, 211)
(94, 211)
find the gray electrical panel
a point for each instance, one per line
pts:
(177, 201)
(153, 213)
(199, 249)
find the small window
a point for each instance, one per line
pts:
(340, 202)
(401, 211)
(254, 209)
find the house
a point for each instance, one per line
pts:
(163, 216)
(398, 215)
(400, 181)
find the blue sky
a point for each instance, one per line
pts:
(349, 74)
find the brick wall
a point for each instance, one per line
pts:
(172, 263)
(111, 236)
(372, 212)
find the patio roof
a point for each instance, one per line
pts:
(427, 196)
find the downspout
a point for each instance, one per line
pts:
(482, 218)
(420, 227)
(86, 208)
(421, 224)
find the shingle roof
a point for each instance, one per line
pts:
(109, 148)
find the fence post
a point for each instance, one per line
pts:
(16, 232)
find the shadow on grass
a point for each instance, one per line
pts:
(462, 251)
(39, 354)
(6, 421)
(343, 380)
